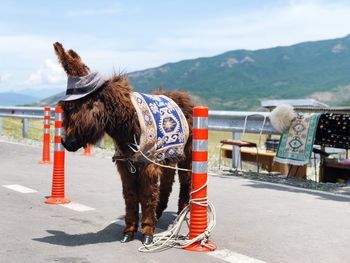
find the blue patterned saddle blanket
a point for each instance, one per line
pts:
(164, 128)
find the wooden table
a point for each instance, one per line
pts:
(265, 161)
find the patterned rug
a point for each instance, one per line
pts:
(164, 128)
(296, 144)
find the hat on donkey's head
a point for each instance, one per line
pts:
(81, 81)
(78, 87)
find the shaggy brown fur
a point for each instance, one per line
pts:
(109, 110)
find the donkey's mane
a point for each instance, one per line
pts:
(122, 121)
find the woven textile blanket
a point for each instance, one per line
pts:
(164, 128)
(296, 144)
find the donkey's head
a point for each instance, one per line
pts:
(83, 108)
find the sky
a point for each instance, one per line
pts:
(126, 36)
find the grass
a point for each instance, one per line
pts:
(12, 127)
(214, 145)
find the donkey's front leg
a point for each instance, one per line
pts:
(129, 182)
(149, 197)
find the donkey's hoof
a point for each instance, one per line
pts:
(147, 239)
(127, 238)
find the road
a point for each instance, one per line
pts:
(256, 222)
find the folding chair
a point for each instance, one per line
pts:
(242, 143)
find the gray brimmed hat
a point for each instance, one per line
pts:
(79, 87)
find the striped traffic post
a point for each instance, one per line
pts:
(57, 194)
(199, 199)
(46, 137)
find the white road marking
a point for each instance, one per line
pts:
(78, 207)
(233, 257)
(20, 188)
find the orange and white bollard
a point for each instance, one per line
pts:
(46, 137)
(198, 208)
(87, 150)
(57, 194)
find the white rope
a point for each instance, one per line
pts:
(172, 238)
(138, 150)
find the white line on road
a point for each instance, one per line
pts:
(20, 188)
(78, 207)
(233, 257)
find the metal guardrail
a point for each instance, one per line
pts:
(24, 113)
(232, 121)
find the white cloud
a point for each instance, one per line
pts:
(291, 23)
(296, 21)
(52, 73)
(282, 25)
(23, 45)
(4, 77)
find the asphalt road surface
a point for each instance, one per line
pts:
(256, 222)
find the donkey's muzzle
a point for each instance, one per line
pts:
(71, 144)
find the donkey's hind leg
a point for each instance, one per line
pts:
(149, 198)
(185, 178)
(165, 188)
(131, 201)
(185, 185)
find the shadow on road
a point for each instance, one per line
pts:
(111, 233)
(166, 219)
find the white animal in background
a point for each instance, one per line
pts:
(282, 116)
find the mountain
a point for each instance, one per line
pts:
(49, 101)
(41, 93)
(12, 98)
(240, 79)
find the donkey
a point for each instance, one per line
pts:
(107, 107)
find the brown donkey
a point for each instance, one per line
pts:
(94, 106)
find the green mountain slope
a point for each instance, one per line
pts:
(240, 79)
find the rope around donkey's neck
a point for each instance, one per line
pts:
(136, 149)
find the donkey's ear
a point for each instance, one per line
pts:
(70, 61)
(74, 54)
(63, 58)
(59, 50)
